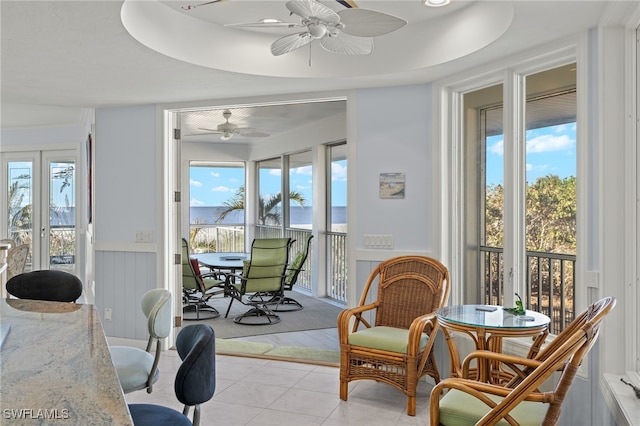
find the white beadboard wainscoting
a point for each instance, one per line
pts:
(121, 278)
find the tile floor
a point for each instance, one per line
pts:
(252, 391)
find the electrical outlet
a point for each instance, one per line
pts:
(378, 241)
(107, 314)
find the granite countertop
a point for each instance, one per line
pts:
(55, 366)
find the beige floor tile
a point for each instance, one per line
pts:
(274, 417)
(306, 402)
(252, 392)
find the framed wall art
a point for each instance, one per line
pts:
(392, 185)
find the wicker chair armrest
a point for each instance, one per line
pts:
(510, 361)
(345, 317)
(423, 324)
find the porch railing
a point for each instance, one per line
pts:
(337, 266)
(216, 238)
(336, 259)
(550, 283)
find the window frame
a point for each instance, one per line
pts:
(448, 108)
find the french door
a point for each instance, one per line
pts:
(40, 190)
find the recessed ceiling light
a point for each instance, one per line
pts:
(436, 3)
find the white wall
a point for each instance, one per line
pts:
(127, 189)
(393, 135)
(126, 174)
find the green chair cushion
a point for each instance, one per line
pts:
(210, 282)
(295, 265)
(458, 408)
(384, 338)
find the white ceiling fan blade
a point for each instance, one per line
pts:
(368, 23)
(193, 6)
(254, 134)
(346, 44)
(205, 131)
(311, 8)
(290, 42)
(265, 25)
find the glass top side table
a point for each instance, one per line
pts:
(487, 325)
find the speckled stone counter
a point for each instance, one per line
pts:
(55, 367)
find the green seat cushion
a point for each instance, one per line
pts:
(458, 408)
(385, 338)
(210, 282)
(295, 266)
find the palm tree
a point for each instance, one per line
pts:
(19, 215)
(267, 207)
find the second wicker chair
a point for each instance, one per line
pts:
(397, 348)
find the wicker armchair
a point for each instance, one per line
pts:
(469, 402)
(397, 349)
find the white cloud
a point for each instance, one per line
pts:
(497, 148)
(306, 170)
(196, 202)
(564, 128)
(215, 174)
(193, 182)
(539, 144)
(549, 143)
(275, 172)
(221, 188)
(338, 172)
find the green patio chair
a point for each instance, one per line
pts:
(198, 288)
(263, 276)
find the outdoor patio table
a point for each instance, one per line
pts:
(222, 261)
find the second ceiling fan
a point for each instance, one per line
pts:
(228, 129)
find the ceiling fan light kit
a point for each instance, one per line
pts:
(436, 3)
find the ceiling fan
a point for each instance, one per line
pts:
(346, 32)
(228, 130)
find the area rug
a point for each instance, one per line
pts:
(268, 351)
(317, 314)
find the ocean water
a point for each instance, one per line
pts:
(299, 215)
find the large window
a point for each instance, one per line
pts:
(287, 205)
(521, 194)
(300, 190)
(270, 218)
(216, 207)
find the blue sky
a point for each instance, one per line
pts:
(550, 150)
(212, 186)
